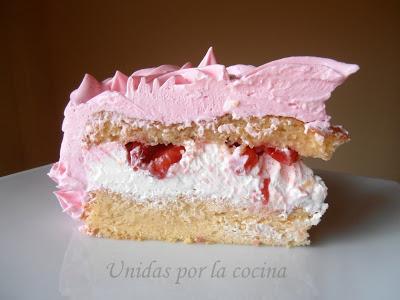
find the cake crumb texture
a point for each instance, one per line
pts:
(113, 215)
(275, 131)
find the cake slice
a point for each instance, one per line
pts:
(201, 154)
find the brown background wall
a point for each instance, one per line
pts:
(49, 46)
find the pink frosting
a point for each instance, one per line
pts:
(295, 87)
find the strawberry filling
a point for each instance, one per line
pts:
(252, 159)
(265, 190)
(159, 158)
(286, 157)
(156, 159)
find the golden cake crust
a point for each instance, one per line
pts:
(254, 131)
(112, 215)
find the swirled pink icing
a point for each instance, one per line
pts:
(294, 87)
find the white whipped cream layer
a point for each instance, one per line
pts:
(206, 172)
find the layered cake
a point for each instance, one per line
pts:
(201, 154)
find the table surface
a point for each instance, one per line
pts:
(355, 252)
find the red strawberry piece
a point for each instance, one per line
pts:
(259, 149)
(129, 146)
(156, 158)
(154, 152)
(265, 191)
(138, 154)
(164, 158)
(287, 157)
(252, 159)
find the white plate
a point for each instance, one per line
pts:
(354, 254)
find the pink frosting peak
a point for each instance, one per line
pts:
(295, 87)
(89, 88)
(117, 83)
(209, 59)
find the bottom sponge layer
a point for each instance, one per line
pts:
(116, 216)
